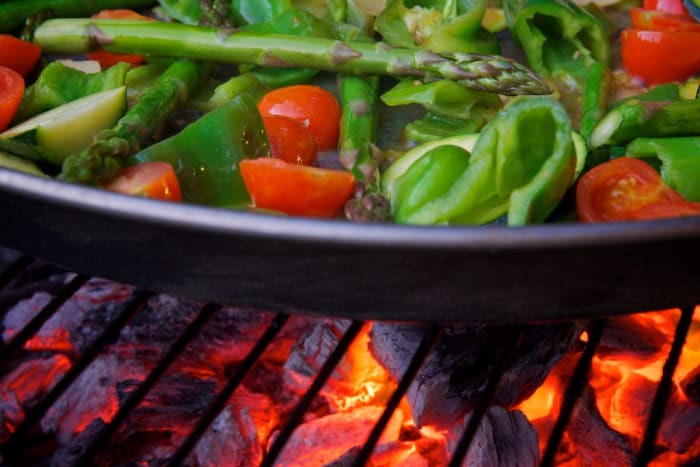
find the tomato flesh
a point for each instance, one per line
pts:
(311, 105)
(11, 92)
(296, 189)
(289, 140)
(660, 21)
(150, 179)
(628, 189)
(660, 56)
(21, 56)
(675, 7)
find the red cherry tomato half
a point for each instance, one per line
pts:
(17, 54)
(296, 189)
(660, 56)
(311, 105)
(289, 140)
(628, 189)
(11, 92)
(107, 59)
(660, 21)
(150, 179)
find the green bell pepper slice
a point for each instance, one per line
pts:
(523, 162)
(679, 158)
(206, 153)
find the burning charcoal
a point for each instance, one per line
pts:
(311, 352)
(680, 428)
(37, 277)
(631, 335)
(455, 373)
(503, 438)
(25, 386)
(387, 454)
(236, 436)
(326, 439)
(691, 386)
(594, 441)
(69, 454)
(93, 395)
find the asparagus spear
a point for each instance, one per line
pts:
(13, 13)
(483, 72)
(103, 159)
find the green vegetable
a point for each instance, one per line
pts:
(636, 118)
(662, 93)
(596, 92)
(206, 153)
(523, 162)
(227, 90)
(258, 11)
(487, 73)
(54, 135)
(13, 13)
(102, 160)
(680, 161)
(185, 11)
(442, 27)
(434, 127)
(19, 164)
(58, 84)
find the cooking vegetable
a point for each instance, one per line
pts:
(674, 7)
(58, 84)
(311, 105)
(21, 56)
(442, 27)
(11, 91)
(636, 118)
(107, 59)
(693, 8)
(206, 153)
(19, 164)
(660, 56)
(680, 161)
(13, 13)
(660, 21)
(628, 189)
(596, 93)
(54, 135)
(185, 11)
(488, 73)
(102, 160)
(151, 179)
(523, 162)
(289, 140)
(296, 189)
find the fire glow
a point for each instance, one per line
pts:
(607, 425)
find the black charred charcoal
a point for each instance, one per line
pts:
(680, 428)
(593, 441)
(69, 454)
(454, 375)
(630, 335)
(503, 438)
(691, 386)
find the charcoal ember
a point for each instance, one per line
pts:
(68, 454)
(311, 352)
(680, 428)
(455, 374)
(387, 454)
(236, 437)
(327, 439)
(296, 327)
(37, 277)
(93, 395)
(174, 404)
(691, 386)
(594, 442)
(631, 335)
(25, 386)
(503, 438)
(78, 322)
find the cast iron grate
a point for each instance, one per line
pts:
(22, 436)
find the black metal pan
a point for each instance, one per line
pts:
(337, 268)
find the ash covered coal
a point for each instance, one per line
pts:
(455, 374)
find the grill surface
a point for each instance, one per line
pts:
(21, 440)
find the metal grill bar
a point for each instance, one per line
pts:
(426, 345)
(302, 407)
(663, 391)
(137, 396)
(234, 381)
(110, 333)
(38, 321)
(493, 379)
(573, 391)
(14, 270)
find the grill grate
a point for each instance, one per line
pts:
(21, 437)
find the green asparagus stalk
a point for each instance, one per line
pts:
(13, 13)
(103, 159)
(358, 153)
(491, 73)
